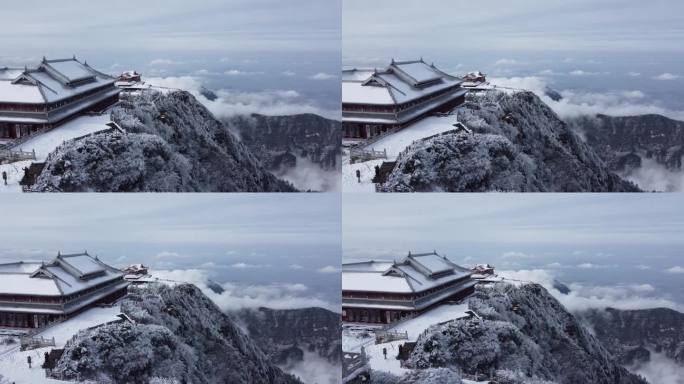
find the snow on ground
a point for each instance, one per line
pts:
(62, 332)
(355, 336)
(350, 183)
(377, 360)
(45, 143)
(394, 143)
(437, 315)
(13, 363)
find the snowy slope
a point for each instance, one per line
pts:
(523, 332)
(518, 144)
(46, 142)
(13, 364)
(178, 334)
(395, 143)
(172, 144)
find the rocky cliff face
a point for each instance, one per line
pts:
(518, 144)
(306, 136)
(629, 143)
(619, 139)
(285, 335)
(172, 144)
(286, 143)
(631, 334)
(524, 336)
(177, 336)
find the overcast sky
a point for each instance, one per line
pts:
(592, 239)
(432, 27)
(247, 239)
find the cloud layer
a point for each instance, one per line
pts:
(585, 296)
(577, 102)
(239, 296)
(232, 102)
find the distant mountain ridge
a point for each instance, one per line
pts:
(283, 143)
(285, 334)
(629, 143)
(629, 334)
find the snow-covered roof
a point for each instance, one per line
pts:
(10, 73)
(374, 282)
(51, 81)
(64, 275)
(413, 273)
(398, 83)
(356, 92)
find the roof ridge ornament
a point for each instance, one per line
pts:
(44, 59)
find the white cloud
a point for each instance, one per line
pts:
(166, 255)
(651, 176)
(514, 255)
(634, 74)
(667, 76)
(157, 62)
(579, 72)
(314, 369)
(659, 369)
(591, 266)
(288, 73)
(642, 267)
(548, 72)
(238, 296)
(502, 62)
(675, 269)
(308, 175)
(243, 265)
(203, 72)
(295, 266)
(322, 76)
(237, 72)
(327, 269)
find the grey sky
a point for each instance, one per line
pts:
(514, 219)
(434, 27)
(169, 25)
(240, 238)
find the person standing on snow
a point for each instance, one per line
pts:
(28, 359)
(4, 177)
(358, 175)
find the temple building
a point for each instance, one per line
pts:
(34, 294)
(375, 101)
(51, 94)
(387, 291)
